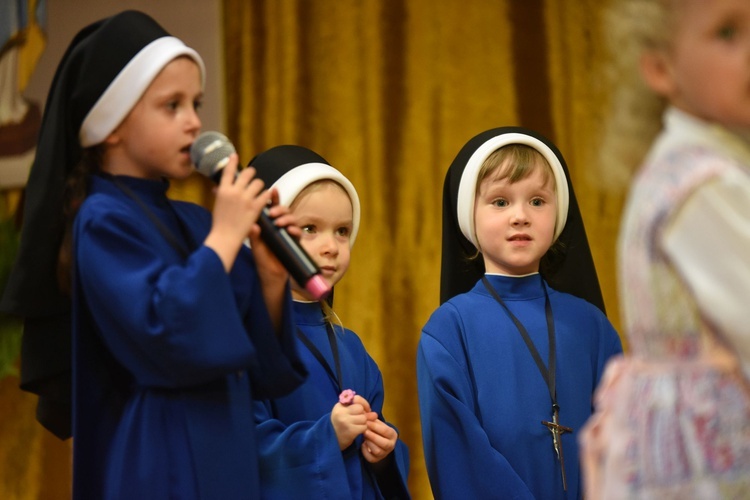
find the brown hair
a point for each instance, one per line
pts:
(514, 162)
(76, 190)
(315, 186)
(634, 114)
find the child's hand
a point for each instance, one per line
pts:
(380, 441)
(236, 210)
(349, 421)
(270, 268)
(272, 274)
(282, 215)
(239, 200)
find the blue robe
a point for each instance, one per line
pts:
(299, 452)
(482, 397)
(167, 352)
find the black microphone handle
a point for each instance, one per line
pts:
(293, 257)
(281, 243)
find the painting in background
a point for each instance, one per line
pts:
(22, 32)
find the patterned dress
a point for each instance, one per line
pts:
(673, 419)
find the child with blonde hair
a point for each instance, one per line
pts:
(328, 438)
(673, 418)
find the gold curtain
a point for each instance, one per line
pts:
(388, 92)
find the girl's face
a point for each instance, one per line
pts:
(707, 68)
(515, 223)
(324, 212)
(154, 139)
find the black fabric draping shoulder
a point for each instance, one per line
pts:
(94, 58)
(572, 272)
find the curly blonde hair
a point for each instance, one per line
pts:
(632, 27)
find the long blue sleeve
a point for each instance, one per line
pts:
(301, 459)
(299, 451)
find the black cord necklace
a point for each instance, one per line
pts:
(336, 377)
(175, 242)
(547, 372)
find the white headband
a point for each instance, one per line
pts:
(127, 88)
(467, 186)
(294, 181)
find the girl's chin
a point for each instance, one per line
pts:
(185, 172)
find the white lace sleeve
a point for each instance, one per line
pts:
(709, 243)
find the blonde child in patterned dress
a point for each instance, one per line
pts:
(673, 418)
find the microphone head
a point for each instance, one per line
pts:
(210, 153)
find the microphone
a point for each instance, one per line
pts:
(210, 154)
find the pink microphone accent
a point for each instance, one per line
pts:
(317, 287)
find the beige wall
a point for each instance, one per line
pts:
(196, 22)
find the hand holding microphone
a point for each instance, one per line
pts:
(210, 153)
(239, 201)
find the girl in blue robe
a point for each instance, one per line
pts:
(502, 365)
(311, 444)
(174, 325)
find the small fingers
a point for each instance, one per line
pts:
(255, 189)
(362, 401)
(229, 172)
(244, 176)
(372, 452)
(282, 218)
(274, 208)
(373, 447)
(379, 441)
(274, 197)
(379, 427)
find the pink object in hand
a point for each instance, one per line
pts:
(347, 396)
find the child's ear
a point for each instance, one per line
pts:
(114, 138)
(657, 72)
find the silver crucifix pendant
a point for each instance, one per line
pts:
(557, 431)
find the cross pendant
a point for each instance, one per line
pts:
(557, 431)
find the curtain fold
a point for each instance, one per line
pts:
(388, 92)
